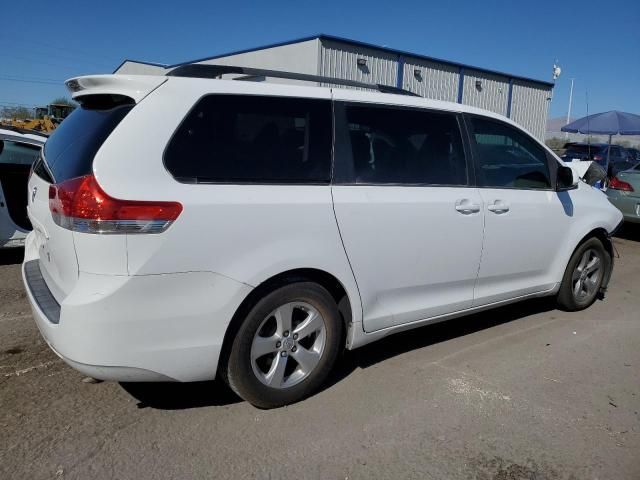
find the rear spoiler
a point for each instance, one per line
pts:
(135, 87)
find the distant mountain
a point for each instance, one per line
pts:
(555, 124)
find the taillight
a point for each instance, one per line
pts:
(597, 158)
(81, 205)
(618, 184)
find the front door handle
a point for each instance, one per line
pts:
(498, 207)
(467, 207)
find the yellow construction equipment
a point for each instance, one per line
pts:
(46, 119)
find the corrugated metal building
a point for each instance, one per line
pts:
(525, 100)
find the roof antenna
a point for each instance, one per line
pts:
(586, 96)
(569, 109)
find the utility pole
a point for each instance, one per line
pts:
(569, 110)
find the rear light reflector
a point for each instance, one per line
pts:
(618, 184)
(81, 205)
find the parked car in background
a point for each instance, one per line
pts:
(263, 228)
(634, 153)
(624, 193)
(18, 151)
(618, 157)
(628, 161)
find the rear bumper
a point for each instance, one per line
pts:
(166, 327)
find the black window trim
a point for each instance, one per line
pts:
(343, 161)
(42, 162)
(199, 181)
(552, 166)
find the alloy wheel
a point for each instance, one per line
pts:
(288, 345)
(586, 276)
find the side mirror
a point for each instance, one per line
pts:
(565, 179)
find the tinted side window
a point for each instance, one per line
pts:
(617, 153)
(18, 153)
(402, 146)
(241, 138)
(508, 158)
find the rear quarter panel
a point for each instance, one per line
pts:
(246, 232)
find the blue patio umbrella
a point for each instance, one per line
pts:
(607, 123)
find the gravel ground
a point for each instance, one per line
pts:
(523, 392)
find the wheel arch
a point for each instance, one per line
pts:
(325, 279)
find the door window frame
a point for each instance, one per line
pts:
(343, 173)
(550, 162)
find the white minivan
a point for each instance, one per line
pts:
(187, 226)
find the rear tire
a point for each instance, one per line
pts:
(588, 267)
(285, 347)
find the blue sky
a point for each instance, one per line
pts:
(597, 43)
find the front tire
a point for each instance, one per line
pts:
(286, 346)
(582, 281)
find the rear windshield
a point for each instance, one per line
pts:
(70, 149)
(583, 150)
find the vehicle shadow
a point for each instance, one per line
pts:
(179, 396)
(629, 231)
(11, 256)
(426, 336)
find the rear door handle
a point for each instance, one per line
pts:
(498, 207)
(466, 206)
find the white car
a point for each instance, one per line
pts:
(18, 151)
(191, 227)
